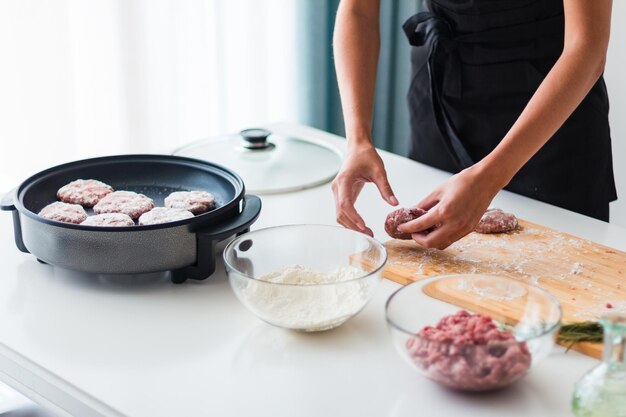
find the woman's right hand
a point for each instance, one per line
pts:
(361, 165)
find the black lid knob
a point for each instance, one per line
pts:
(256, 138)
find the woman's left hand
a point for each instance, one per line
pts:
(454, 208)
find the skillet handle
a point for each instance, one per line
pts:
(207, 239)
(7, 202)
(237, 224)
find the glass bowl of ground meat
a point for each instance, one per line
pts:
(473, 332)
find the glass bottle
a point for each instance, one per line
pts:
(601, 392)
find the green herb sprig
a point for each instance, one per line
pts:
(585, 331)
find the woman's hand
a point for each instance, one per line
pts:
(356, 42)
(454, 208)
(362, 165)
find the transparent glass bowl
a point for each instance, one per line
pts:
(530, 313)
(326, 249)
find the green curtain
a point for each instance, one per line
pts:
(321, 106)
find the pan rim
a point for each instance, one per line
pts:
(203, 218)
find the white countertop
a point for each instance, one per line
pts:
(93, 346)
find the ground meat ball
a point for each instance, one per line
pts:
(496, 221)
(397, 217)
(160, 215)
(469, 352)
(194, 201)
(127, 202)
(84, 192)
(64, 212)
(109, 220)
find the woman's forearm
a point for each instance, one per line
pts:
(563, 89)
(356, 44)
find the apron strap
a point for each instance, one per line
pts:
(430, 31)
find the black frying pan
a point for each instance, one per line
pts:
(185, 247)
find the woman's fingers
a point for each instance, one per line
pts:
(346, 221)
(429, 202)
(386, 192)
(422, 224)
(453, 209)
(344, 206)
(440, 238)
(361, 165)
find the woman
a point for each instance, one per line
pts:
(505, 93)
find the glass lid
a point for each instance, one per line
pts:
(269, 163)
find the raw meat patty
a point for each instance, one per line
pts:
(84, 192)
(397, 217)
(109, 219)
(496, 221)
(160, 215)
(127, 202)
(64, 212)
(469, 352)
(194, 201)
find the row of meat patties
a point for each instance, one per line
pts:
(122, 208)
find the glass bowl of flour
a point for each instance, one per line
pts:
(304, 277)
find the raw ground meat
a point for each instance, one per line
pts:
(397, 217)
(160, 215)
(127, 202)
(194, 201)
(64, 212)
(84, 192)
(496, 221)
(469, 352)
(109, 220)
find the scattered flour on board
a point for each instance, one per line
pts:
(577, 268)
(304, 304)
(522, 255)
(599, 309)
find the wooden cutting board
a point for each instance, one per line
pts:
(587, 278)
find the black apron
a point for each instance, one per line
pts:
(475, 66)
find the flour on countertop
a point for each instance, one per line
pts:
(303, 305)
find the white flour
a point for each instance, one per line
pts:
(305, 306)
(526, 255)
